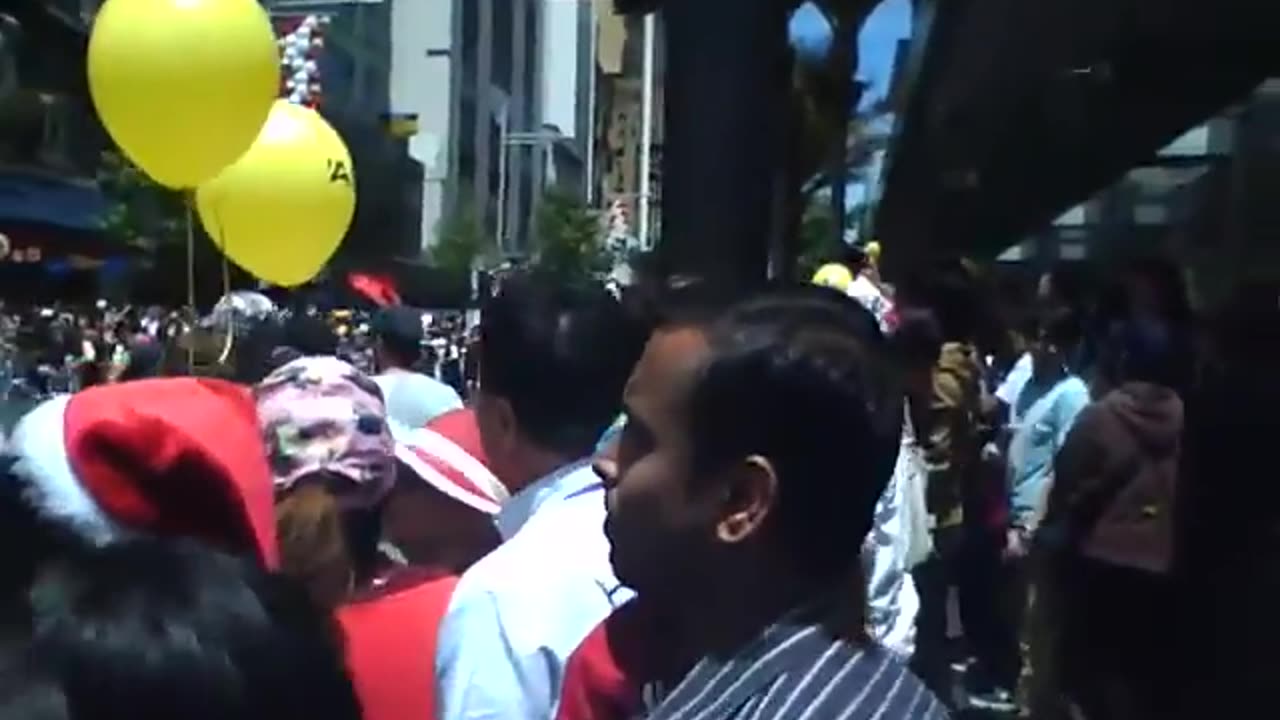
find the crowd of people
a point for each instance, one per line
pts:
(677, 502)
(52, 349)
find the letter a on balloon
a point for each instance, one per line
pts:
(282, 209)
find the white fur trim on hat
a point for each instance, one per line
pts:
(39, 445)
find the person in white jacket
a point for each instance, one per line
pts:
(900, 537)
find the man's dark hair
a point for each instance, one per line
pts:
(560, 353)
(799, 376)
(310, 335)
(399, 331)
(678, 301)
(1069, 284)
(170, 629)
(1061, 325)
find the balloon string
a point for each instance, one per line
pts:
(220, 239)
(191, 278)
(231, 326)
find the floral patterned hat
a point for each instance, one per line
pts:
(322, 418)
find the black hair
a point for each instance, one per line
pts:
(27, 541)
(560, 354)
(400, 351)
(309, 335)
(146, 360)
(799, 377)
(917, 340)
(153, 629)
(254, 348)
(949, 289)
(1069, 284)
(1061, 325)
(678, 301)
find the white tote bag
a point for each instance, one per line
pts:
(911, 476)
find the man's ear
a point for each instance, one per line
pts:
(751, 493)
(504, 418)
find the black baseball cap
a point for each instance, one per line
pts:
(398, 326)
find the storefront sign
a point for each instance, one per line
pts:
(21, 254)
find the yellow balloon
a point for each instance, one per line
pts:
(834, 275)
(873, 251)
(281, 210)
(183, 86)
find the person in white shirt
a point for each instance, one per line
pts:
(900, 538)
(413, 399)
(553, 362)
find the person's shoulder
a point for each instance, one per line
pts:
(522, 566)
(426, 384)
(491, 574)
(1076, 387)
(874, 682)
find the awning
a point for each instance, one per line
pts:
(30, 197)
(1020, 110)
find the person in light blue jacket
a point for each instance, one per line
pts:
(1042, 415)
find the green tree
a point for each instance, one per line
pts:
(460, 241)
(818, 240)
(568, 239)
(140, 212)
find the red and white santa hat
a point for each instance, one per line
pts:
(447, 454)
(170, 457)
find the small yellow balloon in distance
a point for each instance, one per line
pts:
(834, 275)
(282, 209)
(873, 251)
(183, 86)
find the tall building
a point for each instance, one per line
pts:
(422, 94)
(524, 96)
(51, 208)
(497, 96)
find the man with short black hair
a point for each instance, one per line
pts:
(413, 399)
(553, 361)
(746, 477)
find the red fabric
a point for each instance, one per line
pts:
(391, 646)
(454, 475)
(461, 427)
(378, 289)
(178, 457)
(447, 454)
(604, 677)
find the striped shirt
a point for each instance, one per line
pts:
(796, 670)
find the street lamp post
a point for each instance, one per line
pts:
(646, 132)
(543, 139)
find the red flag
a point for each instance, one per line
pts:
(378, 289)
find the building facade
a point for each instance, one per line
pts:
(525, 101)
(621, 144)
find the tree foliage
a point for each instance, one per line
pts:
(819, 241)
(141, 212)
(460, 241)
(568, 238)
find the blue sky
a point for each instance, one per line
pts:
(878, 41)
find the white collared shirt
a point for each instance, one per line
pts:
(519, 613)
